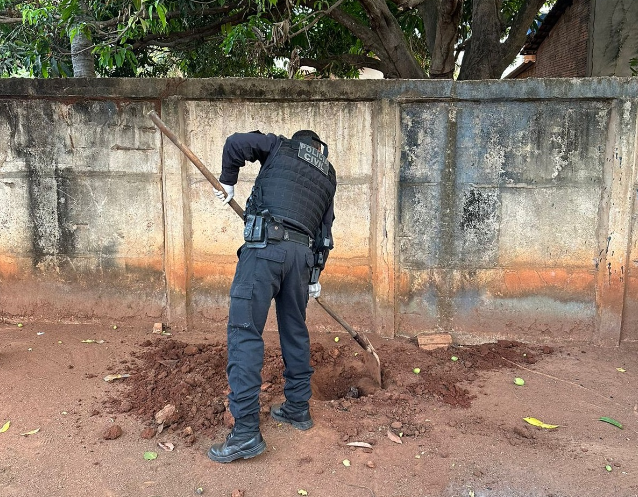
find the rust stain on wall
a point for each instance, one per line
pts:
(8, 267)
(529, 281)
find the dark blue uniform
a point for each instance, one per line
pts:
(291, 188)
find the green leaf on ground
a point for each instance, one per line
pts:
(611, 421)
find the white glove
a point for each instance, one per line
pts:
(314, 290)
(230, 193)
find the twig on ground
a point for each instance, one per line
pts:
(359, 486)
(564, 381)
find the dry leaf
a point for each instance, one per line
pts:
(167, 446)
(111, 377)
(539, 423)
(394, 438)
(346, 463)
(621, 370)
(32, 432)
(360, 444)
(5, 427)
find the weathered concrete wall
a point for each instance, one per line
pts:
(487, 209)
(614, 37)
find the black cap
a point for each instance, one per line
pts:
(306, 136)
(311, 138)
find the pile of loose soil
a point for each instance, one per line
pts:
(192, 377)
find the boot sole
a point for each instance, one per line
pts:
(300, 425)
(242, 454)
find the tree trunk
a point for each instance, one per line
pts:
(441, 20)
(486, 56)
(81, 52)
(398, 59)
(82, 57)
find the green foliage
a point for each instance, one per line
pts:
(633, 64)
(202, 38)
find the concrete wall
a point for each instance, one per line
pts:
(486, 209)
(614, 37)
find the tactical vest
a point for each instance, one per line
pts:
(296, 184)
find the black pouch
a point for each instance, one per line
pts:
(275, 231)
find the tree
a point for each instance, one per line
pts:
(401, 38)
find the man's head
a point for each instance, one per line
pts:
(311, 138)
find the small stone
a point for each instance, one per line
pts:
(371, 464)
(158, 328)
(191, 350)
(112, 432)
(237, 493)
(147, 433)
(126, 406)
(396, 425)
(166, 415)
(187, 432)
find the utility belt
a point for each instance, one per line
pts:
(260, 229)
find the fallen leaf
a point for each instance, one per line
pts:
(149, 456)
(32, 432)
(346, 463)
(111, 377)
(611, 421)
(5, 427)
(539, 423)
(301, 491)
(365, 445)
(621, 370)
(92, 341)
(394, 438)
(167, 446)
(608, 467)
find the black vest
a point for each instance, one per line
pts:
(296, 184)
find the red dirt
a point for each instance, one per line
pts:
(459, 422)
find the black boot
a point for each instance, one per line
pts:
(298, 416)
(243, 442)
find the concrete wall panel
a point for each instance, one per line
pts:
(549, 227)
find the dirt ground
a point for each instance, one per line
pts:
(454, 429)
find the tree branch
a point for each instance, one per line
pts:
(368, 37)
(358, 61)
(169, 16)
(10, 20)
(518, 30)
(319, 14)
(188, 36)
